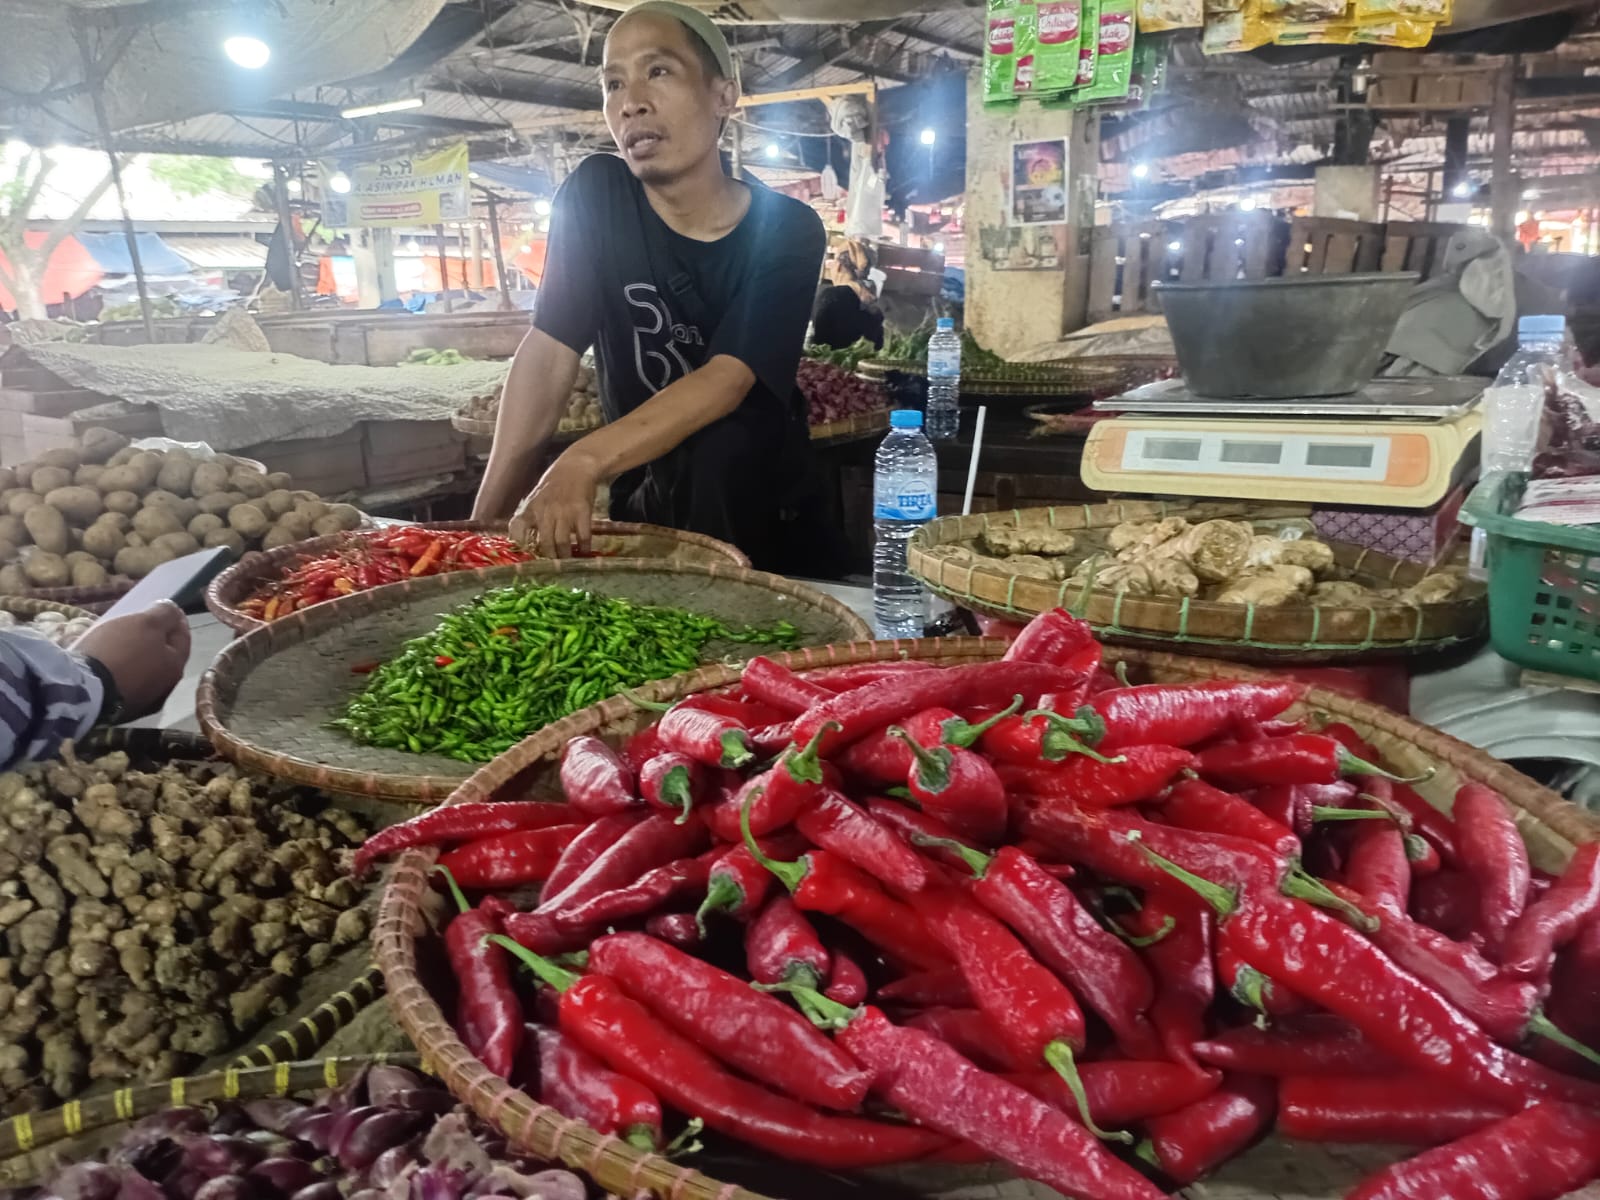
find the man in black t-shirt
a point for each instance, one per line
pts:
(694, 290)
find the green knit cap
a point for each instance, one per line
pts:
(697, 23)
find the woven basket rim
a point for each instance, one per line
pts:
(1242, 631)
(856, 425)
(235, 583)
(30, 607)
(221, 680)
(91, 599)
(612, 1162)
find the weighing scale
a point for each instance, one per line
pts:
(1395, 443)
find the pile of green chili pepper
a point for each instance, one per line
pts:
(518, 658)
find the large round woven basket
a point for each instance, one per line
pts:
(612, 539)
(25, 606)
(1275, 1170)
(267, 699)
(88, 599)
(1243, 632)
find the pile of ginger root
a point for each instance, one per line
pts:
(152, 919)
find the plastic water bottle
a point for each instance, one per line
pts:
(1513, 403)
(944, 381)
(904, 498)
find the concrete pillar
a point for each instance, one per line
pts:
(373, 252)
(1352, 193)
(475, 256)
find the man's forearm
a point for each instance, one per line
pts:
(46, 697)
(537, 390)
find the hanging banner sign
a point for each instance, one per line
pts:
(415, 189)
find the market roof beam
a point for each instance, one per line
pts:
(300, 110)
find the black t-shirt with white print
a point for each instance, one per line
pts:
(657, 305)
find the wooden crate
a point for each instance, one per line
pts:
(1416, 246)
(1333, 246)
(400, 451)
(328, 466)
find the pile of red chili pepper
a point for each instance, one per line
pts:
(370, 560)
(1108, 934)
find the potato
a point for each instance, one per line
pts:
(99, 444)
(207, 478)
(136, 540)
(13, 530)
(121, 522)
(205, 523)
(88, 475)
(349, 515)
(46, 570)
(151, 523)
(228, 463)
(8, 479)
(176, 475)
(278, 536)
(24, 472)
(312, 510)
(137, 562)
(296, 523)
(122, 479)
(327, 526)
(66, 457)
(48, 529)
(126, 503)
(186, 510)
(21, 502)
(302, 494)
(279, 479)
(179, 543)
(251, 483)
(89, 574)
(80, 505)
(121, 457)
(248, 520)
(221, 502)
(148, 463)
(225, 537)
(8, 550)
(12, 580)
(276, 503)
(78, 556)
(160, 498)
(48, 479)
(102, 540)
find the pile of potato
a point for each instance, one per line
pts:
(52, 626)
(77, 517)
(583, 407)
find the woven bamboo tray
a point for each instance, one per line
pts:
(850, 429)
(25, 606)
(1243, 632)
(612, 539)
(89, 599)
(32, 1146)
(1059, 378)
(1276, 1169)
(266, 701)
(566, 430)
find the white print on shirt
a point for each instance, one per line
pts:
(656, 357)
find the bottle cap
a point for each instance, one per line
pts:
(905, 418)
(1543, 326)
(946, 324)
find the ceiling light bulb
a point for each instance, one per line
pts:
(938, 247)
(1462, 190)
(1174, 246)
(1141, 170)
(541, 207)
(929, 136)
(339, 183)
(1248, 204)
(251, 53)
(773, 152)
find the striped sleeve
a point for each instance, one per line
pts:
(47, 696)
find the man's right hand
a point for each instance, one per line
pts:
(558, 513)
(145, 652)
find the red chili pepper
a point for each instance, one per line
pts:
(443, 660)
(781, 947)
(715, 739)
(945, 988)
(1447, 902)
(834, 824)
(1494, 858)
(1539, 1153)
(641, 747)
(576, 1085)
(676, 929)
(672, 782)
(974, 1035)
(678, 880)
(958, 787)
(461, 822)
(366, 668)
(747, 1029)
(510, 859)
(1123, 1092)
(1194, 804)
(1554, 919)
(769, 741)
(1044, 912)
(1407, 1110)
(1135, 775)
(1427, 821)
(589, 845)
(1376, 866)
(1052, 637)
(1253, 989)
(1176, 714)
(778, 686)
(749, 713)
(847, 983)
(928, 833)
(1187, 1144)
(1312, 1044)
(1299, 758)
(931, 1083)
(626, 1037)
(595, 779)
(429, 557)
(775, 798)
(1574, 1000)
(488, 1014)
(1180, 962)
(737, 885)
(882, 759)
(848, 678)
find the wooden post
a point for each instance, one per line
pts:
(474, 240)
(1502, 125)
(444, 268)
(280, 191)
(499, 254)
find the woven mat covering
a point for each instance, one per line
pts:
(230, 398)
(268, 698)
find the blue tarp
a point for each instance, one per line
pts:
(527, 180)
(110, 250)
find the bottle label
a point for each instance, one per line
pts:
(944, 362)
(910, 505)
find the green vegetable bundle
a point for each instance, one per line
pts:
(848, 358)
(517, 658)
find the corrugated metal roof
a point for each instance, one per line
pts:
(220, 253)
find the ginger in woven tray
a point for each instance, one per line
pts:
(1004, 541)
(150, 919)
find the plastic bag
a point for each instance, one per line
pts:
(1058, 32)
(1007, 40)
(1234, 33)
(1157, 16)
(1089, 43)
(1367, 12)
(1113, 69)
(1404, 35)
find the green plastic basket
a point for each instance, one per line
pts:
(1544, 583)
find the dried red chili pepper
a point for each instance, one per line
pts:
(488, 1013)
(672, 782)
(924, 1078)
(958, 787)
(1554, 919)
(462, 823)
(1313, 1044)
(847, 983)
(1493, 856)
(1187, 1144)
(1407, 1110)
(1299, 758)
(782, 948)
(1195, 804)
(1135, 775)
(1121, 1092)
(1539, 1153)
(776, 797)
(715, 739)
(834, 824)
(1176, 714)
(510, 859)
(779, 687)
(945, 988)
(577, 1085)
